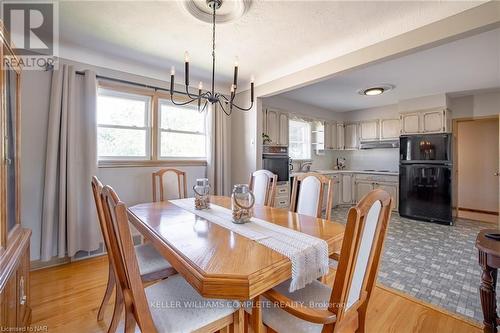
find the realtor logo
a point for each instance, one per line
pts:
(32, 32)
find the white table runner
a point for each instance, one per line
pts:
(308, 254)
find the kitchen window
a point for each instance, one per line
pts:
(299, 140)
(182, 131)
(123, 126)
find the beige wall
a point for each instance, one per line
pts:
(477, 145)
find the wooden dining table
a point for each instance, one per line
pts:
(218, 262)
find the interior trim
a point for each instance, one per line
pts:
(150, 163)
(477, 211)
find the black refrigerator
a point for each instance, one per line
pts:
(425, 177)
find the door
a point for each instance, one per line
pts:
(340, 136)
(272, 123)
(369, 130)
(351, 136)
(433, 121)
(477, 152)
(425, 192)
(283, 129)
(410, 123)
(392, 189)
(390, 129)
(362, 188)
(346, 189)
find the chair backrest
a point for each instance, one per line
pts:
(97, 190)
(125, 261)
(308, 192)
(360, 254)
(263, 185)
(158, 180)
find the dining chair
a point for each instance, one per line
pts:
(341, 308)
(263, 185)
(308, 191)
(170, 305)
(158, 180)
(152, 266)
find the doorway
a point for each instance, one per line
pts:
(477, 166)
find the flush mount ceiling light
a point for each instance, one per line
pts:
(376, 90)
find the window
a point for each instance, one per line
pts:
(299, 140)
(182, 131)
(123, 125)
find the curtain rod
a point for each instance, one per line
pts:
(143, 85)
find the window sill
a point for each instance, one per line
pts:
(149, 163)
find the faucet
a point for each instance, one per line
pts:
(305, 166)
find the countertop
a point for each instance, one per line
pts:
(332, 172)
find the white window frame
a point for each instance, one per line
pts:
(160, 130)
(147, 121)
(308, 145)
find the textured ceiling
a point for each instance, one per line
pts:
(472, 63)
(272, 39)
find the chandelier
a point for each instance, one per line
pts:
(225, 103)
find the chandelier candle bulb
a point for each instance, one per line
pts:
(172, 75)
(200, 86)
(235, 80)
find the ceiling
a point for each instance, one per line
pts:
(468, 64)
(272, 39)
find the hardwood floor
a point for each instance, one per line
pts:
(66, 299)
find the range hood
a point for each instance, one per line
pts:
(379, 144)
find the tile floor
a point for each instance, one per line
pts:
(432, 262)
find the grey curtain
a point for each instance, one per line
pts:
(218, 151)
(69, 221)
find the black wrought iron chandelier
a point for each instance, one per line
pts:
(226, 104)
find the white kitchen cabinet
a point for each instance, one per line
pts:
(426, 121)
(351, 136)
(368, 130)
(331, 135)
(390, 129)
(282, 197)
(283, 129)
(362, 188)
(340, 144)
(318, 137)
(276, 127)
(346, 197)
(393, 190)
(410, 123)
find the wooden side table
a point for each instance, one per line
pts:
(489, 260)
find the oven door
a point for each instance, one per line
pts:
(277, 164)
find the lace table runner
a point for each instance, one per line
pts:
(308, 254)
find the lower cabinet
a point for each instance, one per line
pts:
(346, 193)
(366, 183)
(362, 188)
(392, 189)
(282, 197)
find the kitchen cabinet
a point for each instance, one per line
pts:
(369, 130)
(282, 197)
(393, 190)
(276, 127)
(331, 135)
(340, 144)
(426, 121)
(346, 193)
(362, 188)
(318, 137)
(364, 183)
(351, 136)
(390, 129)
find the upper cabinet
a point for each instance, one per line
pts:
(340, 142)
(275, 125)
(426, 121)
(390, 129)
(331, 135)
(369, 130)
(319, 136)
(351, 136)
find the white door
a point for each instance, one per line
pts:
(410, 123)
(283, 136)
(390, 129)
(346, 189)
(392, 189)
(340, 137)
(351, 136)
(362, 188)
(368, 130)
(433, 121)
(273, 126)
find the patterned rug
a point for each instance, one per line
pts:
(432, 262)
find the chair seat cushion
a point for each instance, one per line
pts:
(149, 259)
(177, 307)
(315, 295)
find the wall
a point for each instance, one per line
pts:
(476, 105)
(132, 184)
